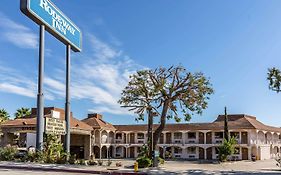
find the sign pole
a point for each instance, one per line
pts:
(67, 101)
(40, 95)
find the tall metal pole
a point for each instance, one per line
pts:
(67, 101)
(40, 95)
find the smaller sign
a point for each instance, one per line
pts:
(54, 126)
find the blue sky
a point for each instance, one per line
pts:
(232, 42)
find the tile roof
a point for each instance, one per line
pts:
(31, 120)
(239, 121)
(96, 121)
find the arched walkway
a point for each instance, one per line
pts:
(96, 152)
(104, 152)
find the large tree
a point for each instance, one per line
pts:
(4, 115)
(166, 93)
(274, 77)
(21, 112)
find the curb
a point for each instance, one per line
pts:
(70, 170)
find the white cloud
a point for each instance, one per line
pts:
(103, 50)
(17, 34)
(99, 79)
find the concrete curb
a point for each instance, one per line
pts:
(69, 170)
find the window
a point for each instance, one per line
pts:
(177, 150)
(236, 150)
(218, 135)
(140, 136)
(191, 135)
(177, 135)
(234, 134)
(118, 136)
(191, 150)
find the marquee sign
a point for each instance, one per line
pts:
(44, 12)
(55, 126)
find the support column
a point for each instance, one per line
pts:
(67, 101)
(205, 137)
(40, 95)
(172, 137)
(107, 140)
(164, 138)
(205, 153)
(240, 136)
(183, 137)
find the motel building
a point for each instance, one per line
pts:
(94, 137)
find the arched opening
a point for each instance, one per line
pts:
(168, 153)
(177, 152)
(261, 137)
(209, 152)
(104, 152)
(191, 152)
(254, 152)
(111, 137)
(96, 152)
(120, 152)
(201, 153)
(131, 152)
(97, 136)
(111, 152)
(104, 137)
(268, 138)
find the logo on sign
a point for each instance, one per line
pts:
(58, 22)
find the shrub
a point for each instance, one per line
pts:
(226, 148)
(82, 162)
(161, 161)
(72, 159)
(109, 162)
(100, 162)
(144, 162)
(278, 159)
(92, 162)
(8, 153)
(118, 164)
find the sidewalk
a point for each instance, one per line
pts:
(69, 168)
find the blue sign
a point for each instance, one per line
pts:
(44, 12)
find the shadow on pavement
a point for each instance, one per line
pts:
(205, 172)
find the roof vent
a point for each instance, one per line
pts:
(95, 115)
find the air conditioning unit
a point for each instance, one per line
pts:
(140, 141)
(191, 141)
(191, 156)
(177, 156)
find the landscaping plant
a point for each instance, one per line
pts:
(226, 149)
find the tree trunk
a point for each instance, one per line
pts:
(161, 127)
(149, 133)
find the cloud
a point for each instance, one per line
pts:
(103, 50)
(17, 34)
(99, 78)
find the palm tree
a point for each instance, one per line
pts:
(4, 115)
(21, 112)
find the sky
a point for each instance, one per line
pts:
(231, 42)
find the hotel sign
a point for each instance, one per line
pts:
(44, 12)
(55, 126)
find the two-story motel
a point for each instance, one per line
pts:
(94, 136)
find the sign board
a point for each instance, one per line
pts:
(54, 126)
(44, 12)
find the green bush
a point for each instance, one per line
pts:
(226, 149)
(100, 162)
(8, 153)
(92, 162)
(144, 162)
(161, 161)
(72, 159)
